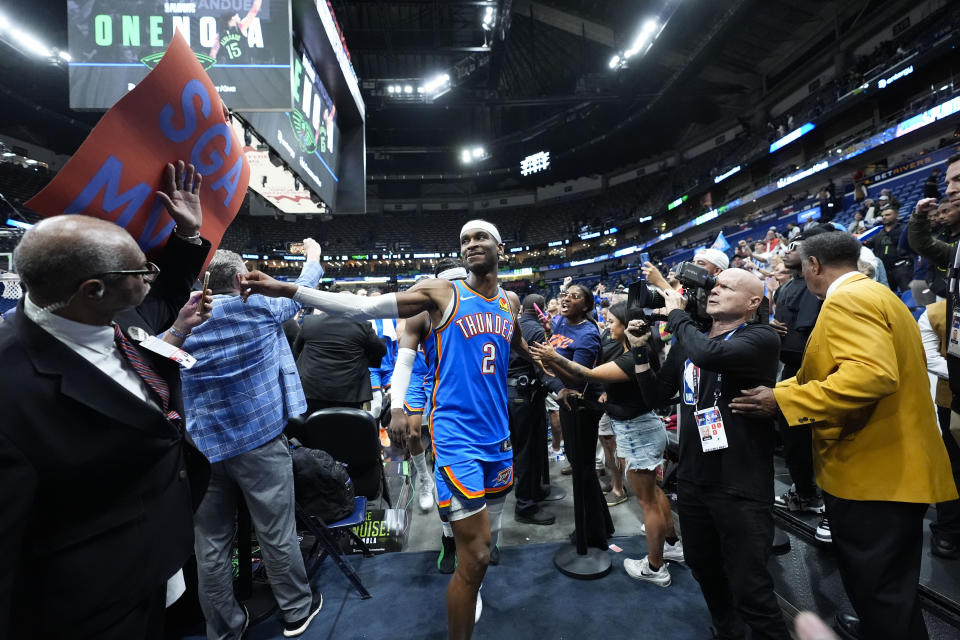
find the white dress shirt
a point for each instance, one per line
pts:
(836, 283)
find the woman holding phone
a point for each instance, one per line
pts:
(641, 440)
(574, 334)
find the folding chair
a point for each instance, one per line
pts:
(352, 437)
(325, 539)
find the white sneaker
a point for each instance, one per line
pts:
(424, 490)
(640, 570)
(476, 618)
(823, 533)
(673, 551)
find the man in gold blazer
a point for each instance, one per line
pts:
(878, 454)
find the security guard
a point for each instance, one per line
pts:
(528, 423)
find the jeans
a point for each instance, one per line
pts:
(263, 478)
(641, 441)
(726, 542)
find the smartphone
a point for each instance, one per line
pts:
(539, 312)
(206, 282)
(296, 248)
(644, 258)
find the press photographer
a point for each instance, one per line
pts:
(725, 477)
(697, 276)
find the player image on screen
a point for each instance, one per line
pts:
(247, 52)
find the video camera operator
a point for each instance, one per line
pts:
(725, 476)
(713, 262)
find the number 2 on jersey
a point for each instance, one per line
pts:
(489, 363)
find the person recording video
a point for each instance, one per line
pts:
(712, 262)
(725, 475)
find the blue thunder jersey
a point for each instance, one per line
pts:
(469, 354)
(387, 331)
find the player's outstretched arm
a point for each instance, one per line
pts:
(429, 295)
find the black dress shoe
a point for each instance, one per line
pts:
(537, 517)
(553, 494)
(848, 626)
(943, 548)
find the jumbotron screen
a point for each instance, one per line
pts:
(307, 136)
(244, 45)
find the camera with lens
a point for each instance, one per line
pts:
(693, 276)
(645, 296)
(698, 282)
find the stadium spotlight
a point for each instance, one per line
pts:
(478, 153)
(615, 62)
(644, 39)
(28, 43)
(408, 89)
(390, 89)
(466, 157)
(63, 55)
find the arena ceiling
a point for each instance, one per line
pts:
(538, 79)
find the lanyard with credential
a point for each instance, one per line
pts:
(719, 384)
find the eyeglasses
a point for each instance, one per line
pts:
(149, 273)
(793, 246)
(575, 296)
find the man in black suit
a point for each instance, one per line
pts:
(333, 354)
(98, 479)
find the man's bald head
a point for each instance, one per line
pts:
(58, 253)
(744, 280)
(736, 295)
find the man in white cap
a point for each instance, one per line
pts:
(713, 260)
(472, 333)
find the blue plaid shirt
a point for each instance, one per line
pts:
(245, 385)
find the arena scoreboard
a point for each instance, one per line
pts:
(244, 46)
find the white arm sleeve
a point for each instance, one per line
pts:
(355, 307)
(402, 370)
(936, 363)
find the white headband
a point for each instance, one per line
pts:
(483, 225)
(455, 273)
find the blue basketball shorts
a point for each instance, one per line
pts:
(463, 488)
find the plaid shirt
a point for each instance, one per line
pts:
(245, 385)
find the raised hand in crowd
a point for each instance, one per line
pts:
(653, 276)
(925, 206)
(194, 313)
(180, 196)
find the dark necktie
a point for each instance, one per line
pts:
(156, 384)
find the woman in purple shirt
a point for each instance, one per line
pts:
(575, 336)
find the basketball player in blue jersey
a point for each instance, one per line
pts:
(407, 410)
(472, 333)
(380, 377)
